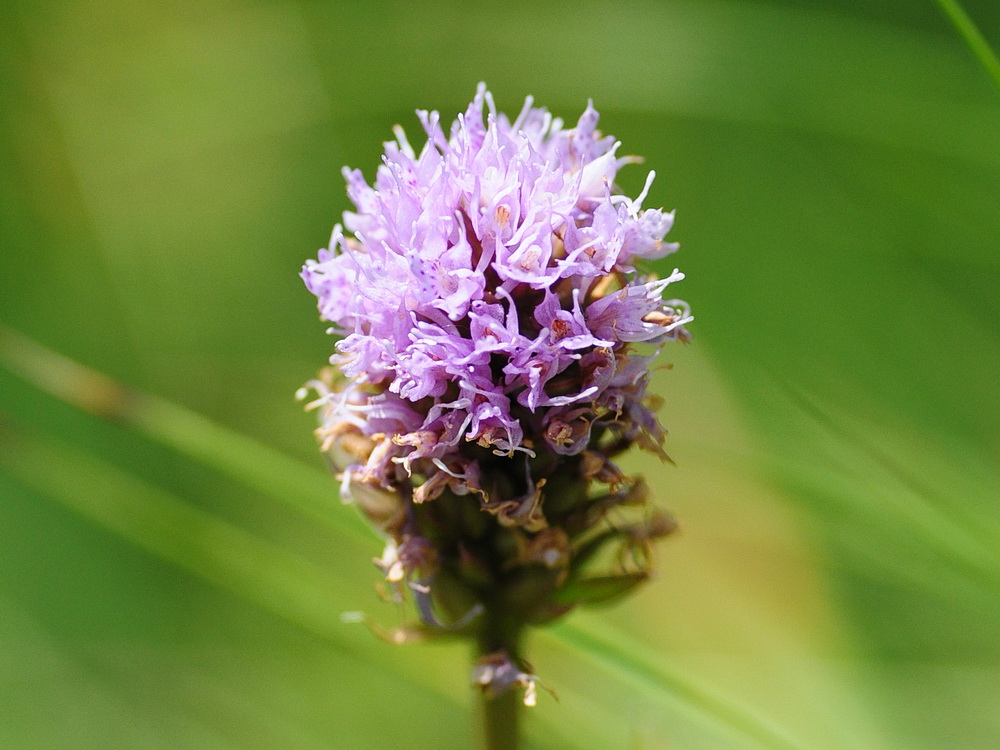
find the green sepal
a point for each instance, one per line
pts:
(589, 549)
(597, 589)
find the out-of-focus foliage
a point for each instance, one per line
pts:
(174, 581)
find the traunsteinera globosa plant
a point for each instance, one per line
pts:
(495, 339)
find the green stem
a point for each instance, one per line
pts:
(499, 642)
(500, 720)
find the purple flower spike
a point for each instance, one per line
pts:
(489, 309)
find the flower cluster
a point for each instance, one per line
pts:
(495, 340)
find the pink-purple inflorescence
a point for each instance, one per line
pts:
(495, 343)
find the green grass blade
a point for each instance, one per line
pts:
(170, 528)
(972, 37)
(624, 655)
(866, 480)
(309, 490)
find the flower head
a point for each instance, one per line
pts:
(489, 313)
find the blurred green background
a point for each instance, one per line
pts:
(173, 581)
